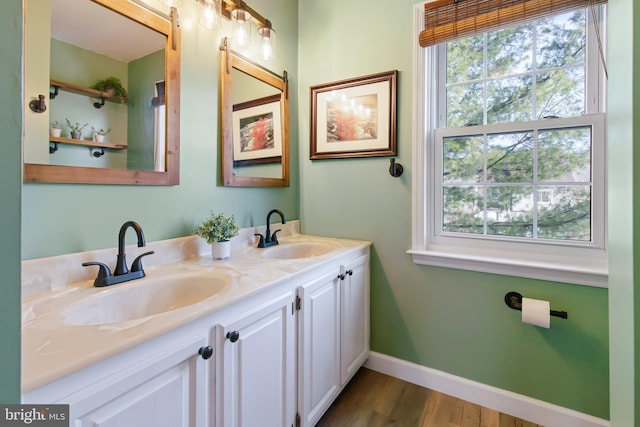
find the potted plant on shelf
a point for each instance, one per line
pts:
(55, 130)
(217, 230)
(111, 86)
(99, 134)
(75, 128)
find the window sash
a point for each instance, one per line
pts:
(598, 202)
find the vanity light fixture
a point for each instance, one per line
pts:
(209, 13)
(243, 18)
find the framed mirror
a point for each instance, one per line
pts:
(70, 47)
(254, 105)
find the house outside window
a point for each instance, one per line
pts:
(509, 150)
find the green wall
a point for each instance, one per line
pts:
(624, 159)
(452, 320)
(60, 218)
(10, 175)
(143, 74)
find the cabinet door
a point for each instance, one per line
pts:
(354, 298)
(319, 342)
(259, 366)
(166, 391)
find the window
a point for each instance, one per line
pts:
(510, 151)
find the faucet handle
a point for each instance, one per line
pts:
(103, 272)
(136, 265)
(261, 241)
(274, 238)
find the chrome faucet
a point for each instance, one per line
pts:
(270, 239)
(121, 272)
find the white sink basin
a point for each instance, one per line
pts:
(296, 250)
(145, 297)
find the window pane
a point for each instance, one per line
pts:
(465, 59)
(510, 211)
(509, 100)
(463, 160)
(464, 105)
(561, 40)
(510, 157)
(566, 214)
(560, 93)
(462, 209)
(509, 51)
(564, 155)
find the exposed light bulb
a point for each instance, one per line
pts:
(241, 27)
(267, 43)
(209, 13)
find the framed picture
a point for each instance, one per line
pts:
(257, 132)
(355, 117)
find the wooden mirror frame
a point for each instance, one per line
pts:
(228, 61)
(168, 26)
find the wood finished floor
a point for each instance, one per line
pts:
(373, 399)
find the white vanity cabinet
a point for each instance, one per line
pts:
(333, 335)
(168, 388)
(354, 317)
(278, 346)
(258, 365)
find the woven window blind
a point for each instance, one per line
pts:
(446, 20)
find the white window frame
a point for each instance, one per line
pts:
(583, 263)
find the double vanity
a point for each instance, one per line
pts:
(267, 337)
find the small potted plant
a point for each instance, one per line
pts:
(55, 130)
(111, 86)
(217, 230)
(99, 134)
(76, 129)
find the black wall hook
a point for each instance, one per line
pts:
(395, 169)
(514, 301)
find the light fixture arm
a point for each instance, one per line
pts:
(230, 5)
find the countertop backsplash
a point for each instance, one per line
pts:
(57, 272)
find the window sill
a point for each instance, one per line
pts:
(588, 271)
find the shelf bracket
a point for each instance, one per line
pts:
(52, 95)
(97, 153)
(54, 148)
(99, 104)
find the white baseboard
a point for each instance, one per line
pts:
(514, 404)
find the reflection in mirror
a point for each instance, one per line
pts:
(255, 123)
(87, 41)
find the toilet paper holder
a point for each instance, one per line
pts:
(514, 301)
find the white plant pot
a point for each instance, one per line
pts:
(221, 250)
(99, 138)
(56, 132)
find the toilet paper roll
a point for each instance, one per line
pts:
(536, 312)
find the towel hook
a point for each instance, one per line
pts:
(395, 169)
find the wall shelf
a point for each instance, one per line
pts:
(82, 90)
(86, 143)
